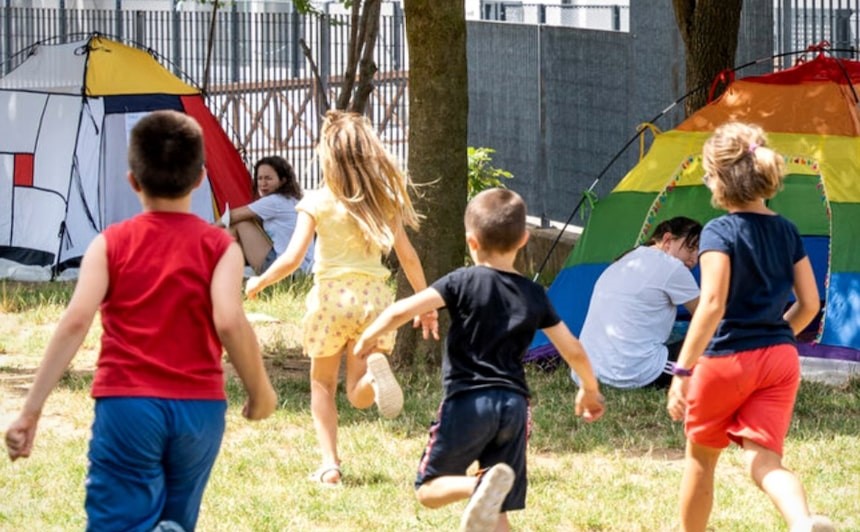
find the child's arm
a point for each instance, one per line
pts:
(715, 274)
(807, 302)
(89, 292)
(237, 336)
(589, 401)
(290, 260)
(398, 313)
(411, 265)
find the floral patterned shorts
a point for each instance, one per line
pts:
(338, 311)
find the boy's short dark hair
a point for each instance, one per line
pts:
(165, 154)
(497, 219)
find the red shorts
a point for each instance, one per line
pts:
(749, 394)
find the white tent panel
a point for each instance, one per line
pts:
(201, 201)
(20, 114)
(54, 68)
(83, 221)
(7, 168)
(56, 143)
(38, 215)
(118, 200)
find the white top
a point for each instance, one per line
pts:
(631, 314)
(278, 213)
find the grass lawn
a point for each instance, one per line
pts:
(621, 473)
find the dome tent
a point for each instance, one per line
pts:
(810, 113)
(65, 115)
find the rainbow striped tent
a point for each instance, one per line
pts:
(65, 115)
(811, 115)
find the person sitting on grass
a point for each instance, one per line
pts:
(634, 306)
(264, 227)
(484, 414)
(169, 289)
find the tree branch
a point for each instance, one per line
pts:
(352, 61)
(370, 31)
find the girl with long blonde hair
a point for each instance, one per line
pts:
(358, 216)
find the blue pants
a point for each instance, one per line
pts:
(150, 460)
(490, 425)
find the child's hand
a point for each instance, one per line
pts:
(20, 436)
(362, 347)
(429, 323)
(589, 405)
(252, 287)
(677, 401)
(260, 405)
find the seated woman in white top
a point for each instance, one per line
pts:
(634, 305)
(264, 227)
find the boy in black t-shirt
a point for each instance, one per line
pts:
(484, 414)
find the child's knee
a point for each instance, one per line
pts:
(423, 496)
(323, 386)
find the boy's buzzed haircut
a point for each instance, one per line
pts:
(497, 219)
(165, 154)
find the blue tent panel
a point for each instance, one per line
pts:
(570, 293)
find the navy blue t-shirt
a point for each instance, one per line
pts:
(763, 250)
(494, 317)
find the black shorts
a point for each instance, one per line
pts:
(488, 425)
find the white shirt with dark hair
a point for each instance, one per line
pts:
(631, 313)
(278, 213)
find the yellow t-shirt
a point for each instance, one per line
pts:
(340, 247)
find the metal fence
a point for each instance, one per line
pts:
(261, 84)
(263, 90)
(802, 23)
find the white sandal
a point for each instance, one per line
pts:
(319, 476)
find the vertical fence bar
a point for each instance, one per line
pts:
(174, 39)
(396, 40)
(63, 24)
(7, 36)
(120, 33)
(324, 61)
(234, 32)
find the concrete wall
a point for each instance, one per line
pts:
(557, 104)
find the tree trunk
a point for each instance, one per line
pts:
(709, 29)
(438, 114)
(364, 29)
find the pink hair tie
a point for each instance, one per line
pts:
(753, 147)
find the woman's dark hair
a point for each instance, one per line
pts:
(679, 227)
(290, 187)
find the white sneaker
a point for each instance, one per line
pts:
(814, 523)
(482, 512)
(387, 393)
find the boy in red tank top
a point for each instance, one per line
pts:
(169, 288)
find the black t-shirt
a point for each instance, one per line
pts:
(494, 317)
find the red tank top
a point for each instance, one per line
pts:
(159, 339)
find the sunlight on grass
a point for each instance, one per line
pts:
(619, 474)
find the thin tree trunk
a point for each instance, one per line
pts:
(353, 49)
(367, 67)
(210, 44)
(438, 114)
